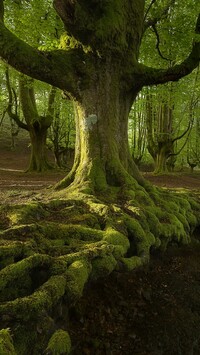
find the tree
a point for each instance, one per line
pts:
(99, 66)
(36, 124)
(137, 129)
(123, 216)
(162, 135)
(61, 136)
(13, 127)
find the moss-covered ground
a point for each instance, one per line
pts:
(56, 247)
(55, 244)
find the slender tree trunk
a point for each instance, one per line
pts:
(160, 161)
(38, 160)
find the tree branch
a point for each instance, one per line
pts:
(51, 101)
(59, 68)
(148, 9)
(12, 115)
(158, 43)
(154, 20)
(152, 76)
(183, 134)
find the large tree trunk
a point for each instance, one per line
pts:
(102, 156)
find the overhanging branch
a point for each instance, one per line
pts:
(152, 76)
(59, 68)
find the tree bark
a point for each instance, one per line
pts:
(162, 155)
(102, 154)
(38, 159)
(37, 125)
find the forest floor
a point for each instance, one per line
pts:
(154, 310)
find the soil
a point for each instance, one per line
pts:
(154, 310)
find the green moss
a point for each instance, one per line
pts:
(20, 232)
(66, 231)
(43, 299)
(183, 203)
(195, 205)
(101, 267)
(9, 251)
(6, 344)
(192, 219)
(172, 206)
(143, 198)
(35, 287)
(135, 210)
(132, 263)
(119, 240)
(98, 208)
(77, 275)
(59, 343)
(8, 248)
(27, 213)
(15, 279)
(152, 220)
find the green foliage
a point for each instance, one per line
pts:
(30, 19)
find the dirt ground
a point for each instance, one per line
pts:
(14, 163)
(152, 311)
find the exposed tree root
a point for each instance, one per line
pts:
(49, 250)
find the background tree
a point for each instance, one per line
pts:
(37, 125)
(193, 148)
(61, 136)
(137, 129)
(5, 120)
(161, 132)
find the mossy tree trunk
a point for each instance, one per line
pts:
(37, 125)
(162, 155)
(159, 121)
(38, 159)
(102, 156)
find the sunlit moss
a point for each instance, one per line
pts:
(77, 275)
(117, 239)
(27, 213)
